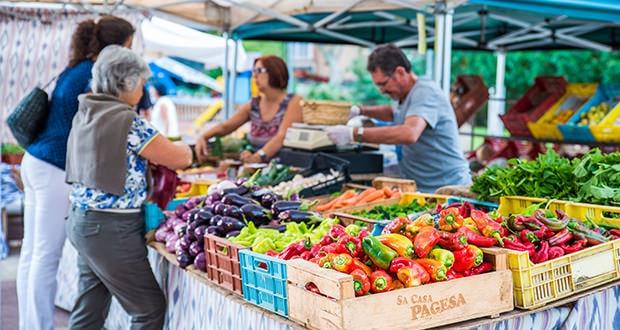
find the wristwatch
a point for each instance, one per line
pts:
(263, 155)
(360, 134)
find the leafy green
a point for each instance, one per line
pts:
(390, 212)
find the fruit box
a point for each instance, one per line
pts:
(426, 306)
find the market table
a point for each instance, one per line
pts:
(194, 303)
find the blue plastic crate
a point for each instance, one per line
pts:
(476, 203)
(263, 279)
(153, 216)
(572, 131)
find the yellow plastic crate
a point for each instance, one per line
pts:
(545, 127)
(608, 216)
(608, 129)
(515, 204)
(536, 285)
(423, 198)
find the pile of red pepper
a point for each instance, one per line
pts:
(546, 235)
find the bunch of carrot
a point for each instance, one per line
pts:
(353, 198)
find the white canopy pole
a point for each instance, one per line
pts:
(497, 103)
(233, 82)
(439, 48)
(447, 52)
(227, 111)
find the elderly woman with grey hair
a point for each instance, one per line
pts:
(108, 152)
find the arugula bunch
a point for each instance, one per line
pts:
(597, 177)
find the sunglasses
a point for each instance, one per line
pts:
(259, 70)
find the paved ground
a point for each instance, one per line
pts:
(8, 296)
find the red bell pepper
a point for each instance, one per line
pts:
(271, 253)
(576, 246)
(542, 254)
(380, 281)
(363, 233)
(435, 268)
(314, 251)
(452, 241)
(396, 284)
(353, 245)
(475, 238)
(482, 268)
(400, 262)
(615, 233)
(342, 263)
(361, 282)
(334, 248)
(450, 219)
(295, 249)
(555, 252)
(487, 226)
(414, 275)
(358, 264)
(396, 225)
(424, 241)
(527, 235)
(464, 259)
(452, 274)
(306, 255)
(336, 231)
(325, 240)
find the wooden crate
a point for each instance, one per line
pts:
(421, 307)
(402, 185)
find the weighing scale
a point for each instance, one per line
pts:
(307, 137)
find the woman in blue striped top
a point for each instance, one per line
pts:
(43, 174)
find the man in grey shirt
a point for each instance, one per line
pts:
(424, 123)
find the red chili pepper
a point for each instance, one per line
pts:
(528, 236)
(342, 263)
(334, 248)
(353, 245)
(452, 241)
(295, 249)
(482, 268)
(542, 254)
(313, 288)
(271, 253)
(576, 246)
(306, 255)
(336, 231)
(476, 239)
(380, 281)
(510, 242)
(452, 274)
(396, 225)
(555, 252)
(487, 226)
(424, 241)
(314, 251)
(465, 209)
(560, 237)
(358, 264)
(464, 259)
(363, 233)
(361, 283)
(614, 232)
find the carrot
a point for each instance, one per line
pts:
(366, 193)
(330, 205)
(388, 192)
(372, 197)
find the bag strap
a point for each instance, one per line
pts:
(51, 81)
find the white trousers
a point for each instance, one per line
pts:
(45, 209)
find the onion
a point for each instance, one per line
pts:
(161, 234)
(179, 210)
(170, 236)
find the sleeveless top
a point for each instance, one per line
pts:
(262, 131)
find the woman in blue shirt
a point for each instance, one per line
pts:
(43, 174)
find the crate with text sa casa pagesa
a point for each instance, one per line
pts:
(426, 306)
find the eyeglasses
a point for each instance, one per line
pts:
(256, 71)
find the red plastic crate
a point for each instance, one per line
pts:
(469, 94)
(533, 104)
(223, 266)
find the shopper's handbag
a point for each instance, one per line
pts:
(162, 185)
(29, 116)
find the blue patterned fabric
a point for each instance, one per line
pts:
(140, 134)
(51, 144)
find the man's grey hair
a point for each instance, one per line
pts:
(118, 70)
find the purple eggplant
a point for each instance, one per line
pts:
(214, 220)
(236, 200)
(233, 212)
(189, 215)
(189, 231)
(258, 194)
(208, 207)
(256, 213)
(267, 200)
(281, 206)
(184, 260)
(185, 242)
(200, 262)
(219, 208)
(179, 210)
(171, 244)
(204, 215)
(241, 190)
(195, 248)
(215, 197)
(227, 224)
(180, 229)
(296, 216)
(214, 230)
(233, 233)
(200, 232)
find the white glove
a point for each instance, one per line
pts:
(354, 111)
(340, 135)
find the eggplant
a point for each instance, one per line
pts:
(200, 232)
(236, 200)
(180, 229)
(258, 194)
(189, 231)
(214, 220)
(240, 190)
(208, 207)
(256, 213)
(179, 210)
(228, 224)
(188, 215)
(193, 216)
(215, 197)
(219, 208)
(200, 262)
(233, 212)
(296, 216)
(281, 206)
(204, 215)
(214, 230)
(241, 181)
(267, 200)
(171, 244)
(195, 248)
(184, 260)
(233, 233)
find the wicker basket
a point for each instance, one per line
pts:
(325, 112)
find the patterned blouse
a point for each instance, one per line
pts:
(140, 135)
(262, 131)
